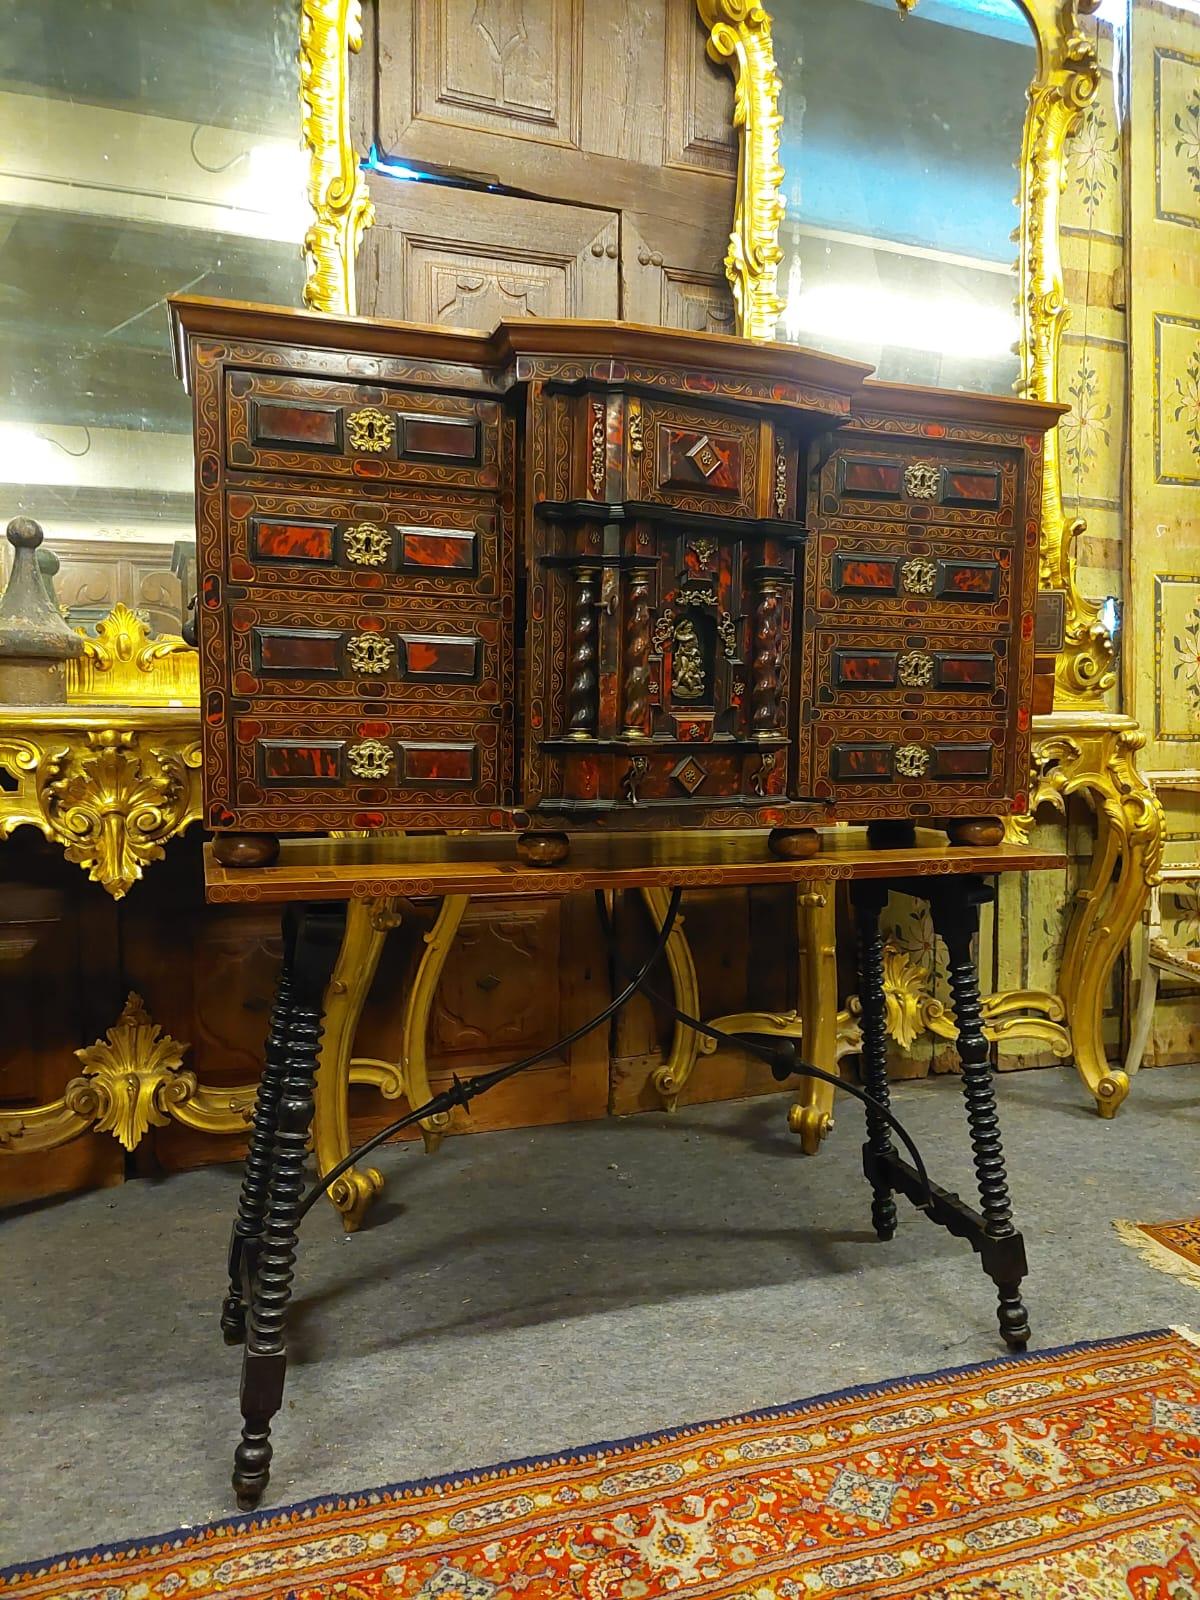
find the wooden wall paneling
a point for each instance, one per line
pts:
(60, 988)
(671, 274)
(494, 1005)
(608, 103)
(94, 574)
(465, 258)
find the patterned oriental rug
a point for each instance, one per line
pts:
(1073, 1475)
(1172, 1247)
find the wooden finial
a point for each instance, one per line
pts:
(34, 639)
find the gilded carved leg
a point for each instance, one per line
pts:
(1094, 754)
(414, 1068)
(670, 1078)
(817, 1020)
(811, 1114)
(367, 926)
(368, 923)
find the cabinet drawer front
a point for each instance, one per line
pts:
(935, 762)
(367, 431)
(392, 546)
(918, 578)
(694, 459)
(888, 668)
(290, 651)
(365, 772)
(968, 487)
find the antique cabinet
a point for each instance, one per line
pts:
(575, 574)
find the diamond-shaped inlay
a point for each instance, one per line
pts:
(706, 456)
(857, 1495)
(689, 774)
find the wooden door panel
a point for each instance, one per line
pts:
(672, 277)
(469, 259)
(506, 66)
(609, 103)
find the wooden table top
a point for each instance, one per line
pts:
(487, 864)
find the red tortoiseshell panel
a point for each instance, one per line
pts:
(965, 671)
(277, 422)
(693, 457)
(428, 656)
(866, 574)
(853, 668)
(295, 651)
(963, 761)
(435, 550)
(438, 763)
(971, 488)
(870, 479)
(860, 763)
(293, 541)
(300, 761)
(968, 580)
(441, 436)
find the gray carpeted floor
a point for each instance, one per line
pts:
(522, 1292)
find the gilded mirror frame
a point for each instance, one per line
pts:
(739, 37)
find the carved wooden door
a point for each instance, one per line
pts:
(605, 133)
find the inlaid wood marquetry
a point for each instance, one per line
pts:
(578, 573)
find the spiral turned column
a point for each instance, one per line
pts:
(315, 933)
(583, 685)
(956, 916)
(637, 655)
(869, 898)
(252, 1202)
(767, 659)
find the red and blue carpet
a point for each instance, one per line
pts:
(1073, 1475)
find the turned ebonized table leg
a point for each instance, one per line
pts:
(252, 1202)
(313, 935)
(869, 897)
(954, 906)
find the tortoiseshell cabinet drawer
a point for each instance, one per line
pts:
(570, 575)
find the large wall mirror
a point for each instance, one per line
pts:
(901, 144)
(146, 146)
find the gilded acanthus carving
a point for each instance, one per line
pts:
(739, 36)
(1094, 754)
(110, 791)
(337, 189)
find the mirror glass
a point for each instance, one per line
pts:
(146, 146)
(901, 142)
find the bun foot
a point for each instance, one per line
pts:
(892, 833)
(246, 849)
(543, 849)
(974, 830)
(794, 844)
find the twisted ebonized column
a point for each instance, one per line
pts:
(637, 655)
(581, 691)
(252, 1202)
(764, 687)
(955, 910)
(869, 898)
(314, 933)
